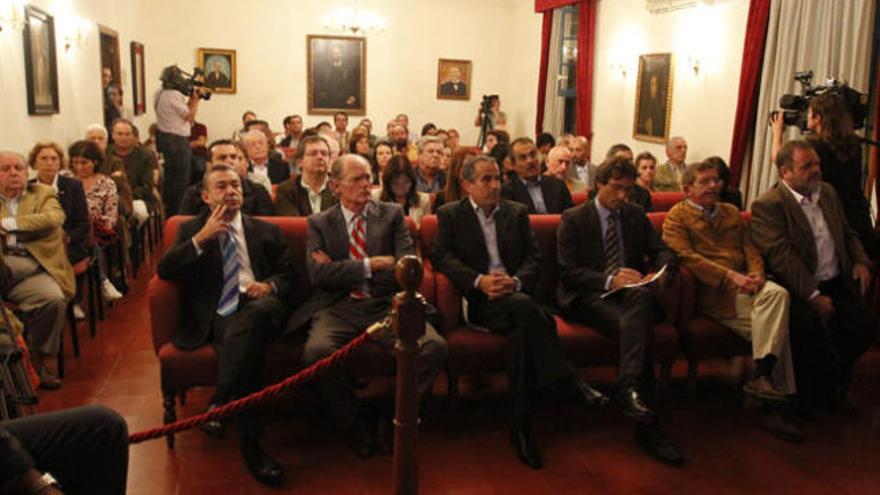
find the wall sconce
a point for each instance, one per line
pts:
(77, 31)
(694, 64)
(12, 15)
(621, 68)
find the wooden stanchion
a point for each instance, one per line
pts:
(408, 321)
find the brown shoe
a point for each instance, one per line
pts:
(48, 381)
(761, 388)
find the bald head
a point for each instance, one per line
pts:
(13, 173)
(558, 160)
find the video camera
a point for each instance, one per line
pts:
(173, 77)
(795, 106)
(486, 104)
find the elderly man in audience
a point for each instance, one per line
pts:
(429, 177)
(541, 193)
(236, 274)
(112, 167)
(713, 241)
(352, 250)
(801, 231)
(255, 198)
(33, 248)
(138, 168)
(310, 192)
(668, 178)
(486, 247)
(581, 168)
(603, 245)
(558, 161)
(261, 163)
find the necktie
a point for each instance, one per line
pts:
(229, 295)
(357, 248)
(612, 246)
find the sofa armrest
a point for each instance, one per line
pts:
(164, 298)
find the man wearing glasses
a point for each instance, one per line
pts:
(310, 192)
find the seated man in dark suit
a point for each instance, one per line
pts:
(256, 201)
(602, 245)
(800, 228)
(310, 192)
(486, 247)
(541, 193)
(262, 161)
(352, 250)
(236, 272)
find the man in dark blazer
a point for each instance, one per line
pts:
(138, 167)
(351, 251)
(255, 199)
(235, 273)
(800, 228)
(602, 245)
(486, 247)
(299, 197)
(76, 213)
(541, 193)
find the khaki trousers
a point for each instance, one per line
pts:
(41, 299)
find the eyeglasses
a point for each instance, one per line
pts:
(317, 153)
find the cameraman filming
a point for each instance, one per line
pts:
(840, 156)
(175, 114)
(497, 118)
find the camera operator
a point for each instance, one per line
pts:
(497, 118)
(840, 156)
(174, 117)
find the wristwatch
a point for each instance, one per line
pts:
(45, 481)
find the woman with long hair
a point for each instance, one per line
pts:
(399, 186)
(453, 190)
(381, 156)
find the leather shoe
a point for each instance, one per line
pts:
(764, 390)
(385, 436)
(633, 407)
(215, 427)
(651, 440)
(780, 427)
(592, 397)
(526, 448)
(265, 469)
(48, 381)
(364, 439)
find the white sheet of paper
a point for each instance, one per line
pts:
(649, 280)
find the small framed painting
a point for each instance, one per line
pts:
(219, 67)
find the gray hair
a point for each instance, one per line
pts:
(672, 141)
(14, 154)
(469, 169)
(425, 141)
(96, 128)
(339, 164)
(251, 134)
(785, 155)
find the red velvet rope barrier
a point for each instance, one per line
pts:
(232, 408)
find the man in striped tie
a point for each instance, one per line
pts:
(235, 271)
(352, 250)
(602, 245)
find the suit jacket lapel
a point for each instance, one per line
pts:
(374, 231)
(524, 192)
(548, 194)
(471, 230)
(337, 232)
(804, 234)
(251, 233)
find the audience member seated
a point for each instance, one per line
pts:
(399, 186)
(668, 178)
(541, 193)
(397, 134)
(580, 167)
(801, 230)
(603, 245)
(501, 154)
(453, 139)
(293, 129)
(499, 280)
(729, 192)
(368, 125)
(558, 163)
(646, 168)
(712, 240)
(247, 117)
(359, 144)
(113, 167)
(352, 291)
(138, 168)
(242, 315)
(310, 192)
(411, 136)
(382, 153)
(429, 129)
(454, 189)
(619, 149)
(544, 142)
(261, 164)
(102, 202)
(33, 248)
(446, 159)
(255, 198)
(429, 177)
(494, 138)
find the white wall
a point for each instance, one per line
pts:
(703, 105)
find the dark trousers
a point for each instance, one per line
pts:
(178, 155)
(535, 356)
(241, 340)
(627, 317)
(824, 355)
(85, 448)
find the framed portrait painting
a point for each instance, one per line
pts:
(138, 88)
(41, 71)
(336, 74)
(653, 98)
(453, 79)
(219, 67)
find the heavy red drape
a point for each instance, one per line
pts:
(586, 37)
(546, 31)
(749, 84)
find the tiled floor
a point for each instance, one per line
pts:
(466, 452)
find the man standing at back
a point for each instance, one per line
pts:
(668, 178)
(174, 117)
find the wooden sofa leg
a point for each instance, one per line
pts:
(168, 402)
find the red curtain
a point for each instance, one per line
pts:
(549, 5)
(749, 85)
(546, 31)
(585, 42)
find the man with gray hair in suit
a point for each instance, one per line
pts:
(352, 249)
(580, 167)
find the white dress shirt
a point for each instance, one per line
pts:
(827, 265)
(315, 196)
(349, 225)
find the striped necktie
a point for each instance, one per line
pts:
(357, 248)
(612, 246)
(231, 265)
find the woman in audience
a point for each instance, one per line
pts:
(729, 194)
(501, 154)
(646, 169)
(381, 156)
(429, 129)
(446, 160)
(399, 186)
(359, 144)
(101, 198)
(453, 140)
(453, 190)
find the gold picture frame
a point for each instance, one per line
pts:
(336, 74)
(453, 79)
(220, 69)
(653, 108)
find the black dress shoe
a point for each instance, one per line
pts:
(775, 423)
(591, 396)
(265, 469)
(632, 406)
(385, 436)
(651, 440)
(526, 448)
(215, 427)
(365, 439)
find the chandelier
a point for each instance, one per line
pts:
(354, 21)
